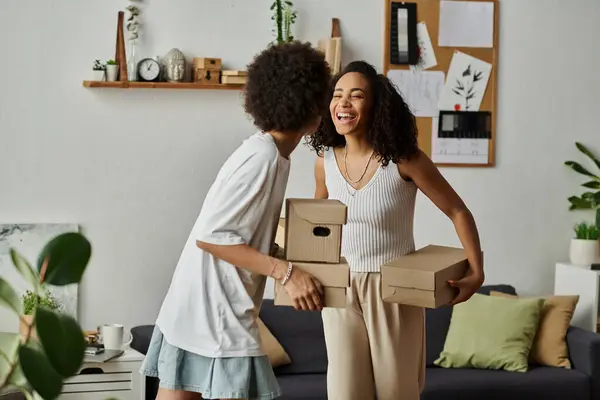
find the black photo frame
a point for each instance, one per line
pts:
(403, 34)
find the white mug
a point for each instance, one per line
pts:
(112, 337)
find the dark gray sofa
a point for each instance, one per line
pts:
(301, 334)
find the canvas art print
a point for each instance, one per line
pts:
(466, 83)
(29, 240)
(403, 31)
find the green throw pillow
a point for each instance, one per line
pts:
(490, 332)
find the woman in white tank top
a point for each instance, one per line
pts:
(370, 161)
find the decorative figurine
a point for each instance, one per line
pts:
(174, 66)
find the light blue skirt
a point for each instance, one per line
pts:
(215, 378)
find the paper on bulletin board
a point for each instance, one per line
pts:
(427, 57)
(466, 24)
(420, 90)
(466, 83)
(457, 151)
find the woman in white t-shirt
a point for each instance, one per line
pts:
(206, 342)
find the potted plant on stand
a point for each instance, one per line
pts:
(31, 301)
(585, 247)
(99, 71)
(112, 71)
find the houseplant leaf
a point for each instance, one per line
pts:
(24, 268)
(592, 185)
(66, 255)
(578, 168)
(39, 372)
(588, 153)
(62, 339)
(598, 218)
(9, 298)
(9, 342)
(579, 204)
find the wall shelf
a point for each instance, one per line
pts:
(158, 85)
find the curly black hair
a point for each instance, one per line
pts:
(288, 87)
(392, 129)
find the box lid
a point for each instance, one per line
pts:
(319, 211)
(428, 268)
(330, 275)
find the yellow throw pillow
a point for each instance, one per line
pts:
(550, 343)
(271, 346)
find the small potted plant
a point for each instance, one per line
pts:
(112, 71)
(99, 71)
(585, 247)
(31, 301)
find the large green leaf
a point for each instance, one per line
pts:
(9, 342)
(598, 218)
(588, 153)
(592, 185)
(579, 203)
(39, 372)
(24, 268)
(67, 256)
(579, 168)
(62, 339)
(9, 298)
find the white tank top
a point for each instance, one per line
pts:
(380, 215)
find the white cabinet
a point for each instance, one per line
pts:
(119, 378)
(572, 279)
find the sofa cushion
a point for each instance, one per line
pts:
(550, 343)
(301, 335)
(303, 387)
(438, 322)
(491, 332)
(271, 346)
(546, 383)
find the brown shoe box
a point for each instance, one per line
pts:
(334, 277)
(421, 277)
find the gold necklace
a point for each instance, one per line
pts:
(346, 166)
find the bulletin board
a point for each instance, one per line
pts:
(434, 138)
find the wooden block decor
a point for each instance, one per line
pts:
(207, 76)
(120, 56)
(212, 64)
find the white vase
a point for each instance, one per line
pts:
(112, 73)
(584, 252)
(99, 76)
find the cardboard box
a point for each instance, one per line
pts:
(212, 64)
(314, 230)
(421, 278)
(334, 277)
(280, 234)
(206, 77)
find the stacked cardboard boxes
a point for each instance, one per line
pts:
(311, 236)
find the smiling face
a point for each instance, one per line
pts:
(350, 105)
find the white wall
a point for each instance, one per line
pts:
(132, 167)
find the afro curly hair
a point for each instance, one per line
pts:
(392, 129)
(287, 88)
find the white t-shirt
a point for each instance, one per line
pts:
(211, 306)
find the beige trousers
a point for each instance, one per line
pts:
(374, 348)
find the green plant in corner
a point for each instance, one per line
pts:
(31, 300)
(585, 231)
(284, 16)
(38, 367)
(590, 200)
(111, 62)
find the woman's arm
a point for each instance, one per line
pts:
(321, 188)
(423, 172)
(303, 289)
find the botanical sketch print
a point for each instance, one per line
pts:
(466, 87)
(425, 49)
(466, 83)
